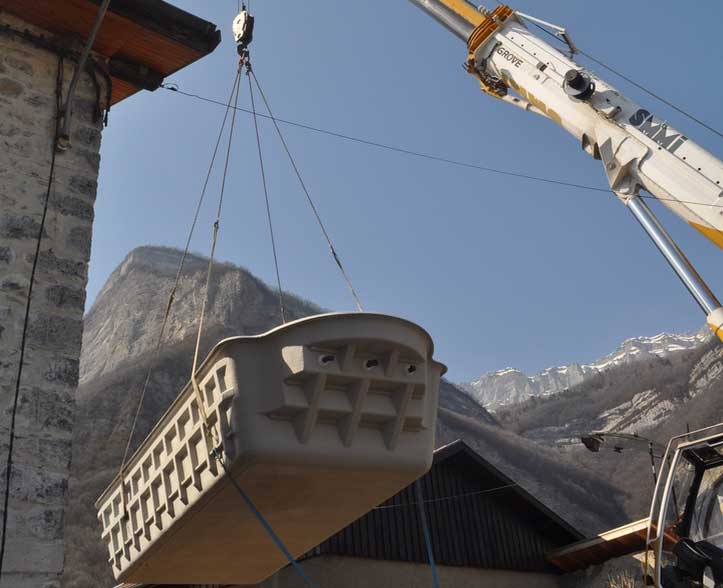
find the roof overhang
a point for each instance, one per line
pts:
(143, 41)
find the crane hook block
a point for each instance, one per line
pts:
(243, 30)
(318, 420)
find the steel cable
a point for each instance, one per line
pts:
(634, 83)
(308, 196)
(266, 194)
(174, 289)
(214, 241)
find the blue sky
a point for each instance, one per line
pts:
(501, 271)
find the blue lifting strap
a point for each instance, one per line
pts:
(425, 530)
(264, 523)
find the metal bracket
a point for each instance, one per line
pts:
(63, 139)
(560, 32)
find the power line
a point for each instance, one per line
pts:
(446, 498)
(387, 147)
(653, 94)
(429, 156)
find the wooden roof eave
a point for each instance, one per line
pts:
(626, 540)
(143, 41)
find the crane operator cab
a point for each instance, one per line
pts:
(689, 510)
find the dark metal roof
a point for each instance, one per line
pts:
(478, 517)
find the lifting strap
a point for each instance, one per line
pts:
(329, 242)
(262, 520)
(214, 444)
(266, 192)
(172, 296)
(243, 31)
(211, 440)
(425, 530)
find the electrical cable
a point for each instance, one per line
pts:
(266, 193)
(653, 94)
(308, 196)
(402, 150)
(174, 289)
(26, 319)
(446, 498)
(437, 158)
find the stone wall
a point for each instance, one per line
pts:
(41, 458)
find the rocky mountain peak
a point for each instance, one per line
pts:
(510, 386)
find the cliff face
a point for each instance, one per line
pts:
(126, 317)
(121, 333)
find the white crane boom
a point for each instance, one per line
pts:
(638, 150)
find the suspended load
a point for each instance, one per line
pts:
(318, 421)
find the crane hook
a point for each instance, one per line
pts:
(243, 30)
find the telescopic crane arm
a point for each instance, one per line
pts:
(638, 150)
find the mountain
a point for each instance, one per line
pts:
(120, 327)
(118, 349)
(510, 386)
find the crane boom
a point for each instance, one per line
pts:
(639, 151)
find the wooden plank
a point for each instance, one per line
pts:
(122, 90)
(625, 540)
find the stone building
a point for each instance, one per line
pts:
(47, 200)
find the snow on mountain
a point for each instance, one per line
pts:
(510, 386)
